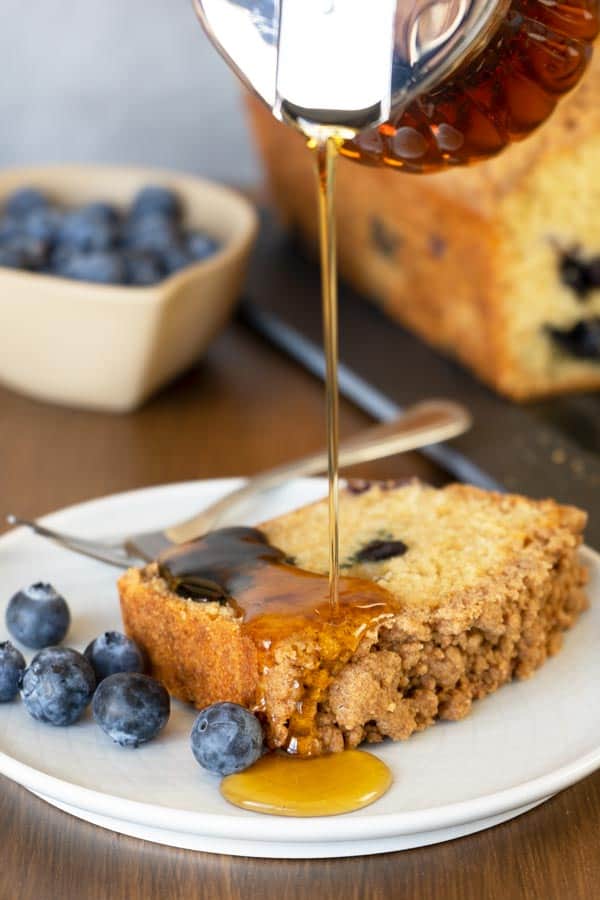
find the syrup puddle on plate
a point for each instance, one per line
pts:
(281, 785)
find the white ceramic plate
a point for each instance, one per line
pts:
(517, 748)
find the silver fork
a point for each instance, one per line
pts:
(420, 425)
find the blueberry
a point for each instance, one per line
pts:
(13, 257)
(582, 340)
(10, 228)
(35, 250)
(200, 246)
(573, 273)
(358, 485)
(175, 258)
(101, 212)
(378, 550)
(131, 708)
(143, 268)
(12, 666)
(151, 233)
(580, 275)
(23, 201)
(101, 267)
(38, 616)
(226, 738)
(114, 652)
(43, 224)
(59, 259)
(594, 272)
(58, 685)
(156, 199)
(23, 252)
(85, 231)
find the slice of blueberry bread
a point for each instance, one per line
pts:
(481, 587)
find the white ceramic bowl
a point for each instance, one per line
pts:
(109, 347)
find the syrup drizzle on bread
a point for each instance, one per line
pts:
(276, 601)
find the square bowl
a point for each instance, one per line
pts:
(109, 347)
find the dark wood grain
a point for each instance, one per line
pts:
(243, 409)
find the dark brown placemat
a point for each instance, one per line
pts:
(549, 448)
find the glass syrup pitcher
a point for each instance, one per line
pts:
(420, 85)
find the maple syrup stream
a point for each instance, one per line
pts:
(326, 153)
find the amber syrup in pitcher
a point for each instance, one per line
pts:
(537, 52)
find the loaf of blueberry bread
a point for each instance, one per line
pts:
(498, 265)
(480, 588)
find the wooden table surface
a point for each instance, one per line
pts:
(243, 409)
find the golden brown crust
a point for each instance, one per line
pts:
(467, 258)
(196, 649)
(485, 589)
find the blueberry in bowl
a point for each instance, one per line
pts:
(131, 708)
(57, 686)
(43, 224)
(156, 199)
(152, 233)
(22, 251)
(38, 616)
(23, 201)
(99, 266)
(100, 211)
(199, 246)
(88, 231)
(99, 243)
(12, 256)
(143, 268)
(175, 258)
